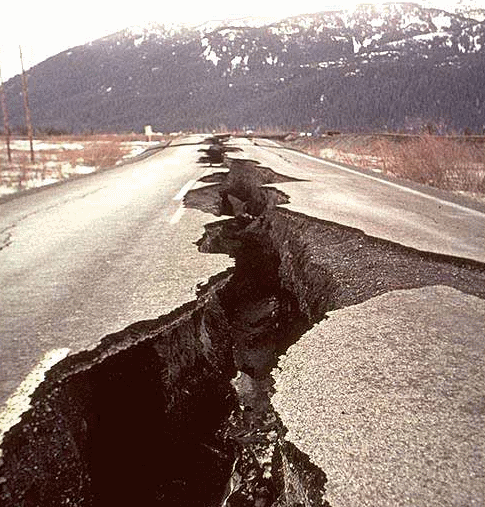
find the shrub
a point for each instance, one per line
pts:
(451, 163)
(447, 163)
(103, 154)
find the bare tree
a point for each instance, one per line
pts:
(6, 124)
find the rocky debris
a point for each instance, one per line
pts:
(214, 154)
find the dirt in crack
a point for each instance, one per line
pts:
(265, 319)
(173, 411)
(152, 416)
(176, 411)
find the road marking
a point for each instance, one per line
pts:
(391, 184)
(184, 190)
(177, 215)
(19, 402)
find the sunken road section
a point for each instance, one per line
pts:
(177, 411)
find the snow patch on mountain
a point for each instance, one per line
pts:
(441, 21)
(357, 45)
(211, 55)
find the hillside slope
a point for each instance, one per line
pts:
(395, 66)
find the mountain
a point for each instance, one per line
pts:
(392, 66)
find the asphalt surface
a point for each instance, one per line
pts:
(378, 396)
(386, 397)
(380, 208)
(89, 257)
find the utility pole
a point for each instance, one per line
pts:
(28, 119)
(6, 124)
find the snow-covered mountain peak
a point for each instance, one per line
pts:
(153, 30)
(248, 22)
(472, 9)
(419, 17)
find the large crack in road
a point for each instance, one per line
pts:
(177, 411)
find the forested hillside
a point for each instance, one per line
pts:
(393, 67)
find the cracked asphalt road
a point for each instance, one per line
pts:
(428, 220)
(386, 396)
(91, 256)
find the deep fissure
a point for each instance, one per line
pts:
(150, 418)
(176, 411)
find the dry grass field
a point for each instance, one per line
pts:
(450, 163)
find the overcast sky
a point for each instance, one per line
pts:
(47, 27)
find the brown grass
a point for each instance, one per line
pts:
(445, 163)
(102, 154)
(456, 163)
